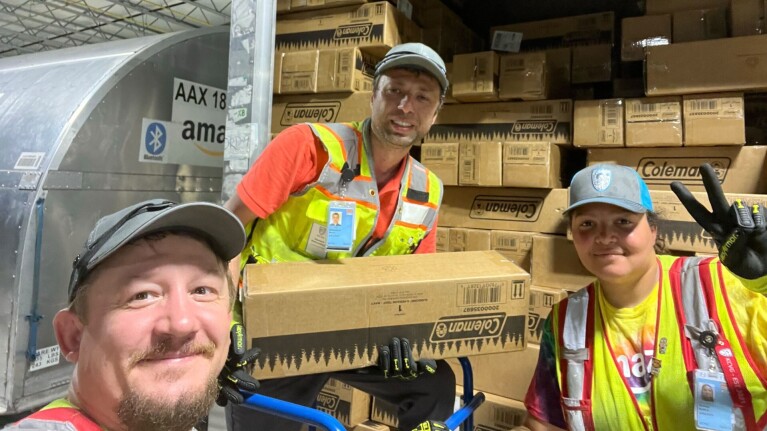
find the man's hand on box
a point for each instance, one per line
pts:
(396, 361)
(738, 230)
(235, 377)
(431, 426)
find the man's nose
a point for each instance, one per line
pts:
(406, 104)
(179, 317)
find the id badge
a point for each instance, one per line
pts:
(713, 405)
(341, 224)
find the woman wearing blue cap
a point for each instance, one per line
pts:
(633, 350)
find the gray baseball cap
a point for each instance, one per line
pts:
(415, 55)
(218, 225)
(610, 184)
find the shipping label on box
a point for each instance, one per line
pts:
(527, 210)
(545, 120)
(598, 123)
(347, 404)
(654, 122)
(541, 301)
(319, 108)
(336, 319)
(739, 169)
(714, 119)
(516, 246)
(480, 164)
(442, 159)
(475, 77)
(531, 164)
(556, 264)
(492, 373)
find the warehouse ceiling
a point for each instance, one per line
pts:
(28, 26)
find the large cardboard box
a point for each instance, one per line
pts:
(535, 75)
(555, 264)
(442, 159)
(475, 77)
(532, 164)
(377, 26)
(699, 24)
(679, 230)
(544, 120)
(714, 119)
(480, 164)
(335, 319)
(746, 17)
(567, 31)
(739, 169)
(654, 7)
(349, 405)
(732, 64)
(654, 122)
(516, 246)
(497, 413)
(319, 108)
(592, 63)
(462, 239)
(298, 72)
(598, 123)
(526, 210)
(639, 32)
(345, 69)
(493, 373)
(541, 301)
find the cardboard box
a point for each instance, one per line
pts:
(461, 239)
(515, 246)
(442, 159)
(377, 26)
(714, 119)
(345, 69)
(639, 32)
(298, 72)
(740, 169)
(555, 264)
(592, 63)
(475, 77)
(567, 31)
(372, 426)
(732, 64)
(699, 24)
(319, 108)
(443, 238)
(679, 230)
(654, 7)
(497, 413)
(535, 75)
(526, 210)
(445, 310)
(492, 373)
(544, 120)
(598, 123)
(541, 301)
(532, 164)
(296, 5)
(347, 404)
(746, 17)
(654, 122)
(480, 164)
(384, 412)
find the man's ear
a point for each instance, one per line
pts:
(69, 330)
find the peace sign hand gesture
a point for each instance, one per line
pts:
(739, 230)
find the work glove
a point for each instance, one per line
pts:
(738, 229)
(396, 360)
(431, 426)
(235, 376)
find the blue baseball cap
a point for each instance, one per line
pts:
(610, 184)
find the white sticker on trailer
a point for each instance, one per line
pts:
(164, 142)
(46, 357)
(29, 161)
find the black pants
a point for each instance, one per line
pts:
(426, 397)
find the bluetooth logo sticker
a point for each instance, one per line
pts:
(155, 138)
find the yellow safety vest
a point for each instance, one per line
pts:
(691, 292)
(288, 233)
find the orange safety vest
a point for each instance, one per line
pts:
(692, 298)
(59, 415)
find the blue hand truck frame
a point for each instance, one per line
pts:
(327, 422)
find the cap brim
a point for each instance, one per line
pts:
(222, 228)
(634, 207)
(419, 62)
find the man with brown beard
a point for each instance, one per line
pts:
(148, 322)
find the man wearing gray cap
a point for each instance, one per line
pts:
(389, 204)
(148, 322)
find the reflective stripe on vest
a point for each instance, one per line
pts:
(575, 353)
(286, 234)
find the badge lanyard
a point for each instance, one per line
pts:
(341, 228)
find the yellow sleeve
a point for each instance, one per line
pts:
(759, 285)
(750, 311)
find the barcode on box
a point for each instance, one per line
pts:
(506, 417)
(434, 153)
(704, 105)
(542, 109)
(610, 115)
(645, 107)
(504, 243)
(482, 293)
(345, 61)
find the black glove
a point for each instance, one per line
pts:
(738, 229)
(235, 376)
(431, 426)
(396, 360)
